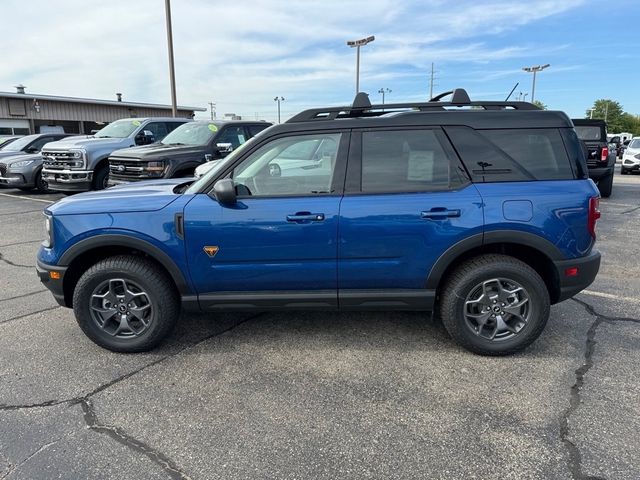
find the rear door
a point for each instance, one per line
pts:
(407, 200)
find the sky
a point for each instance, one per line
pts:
(241, 55)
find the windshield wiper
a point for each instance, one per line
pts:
(176, 143)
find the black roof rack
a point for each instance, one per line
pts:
(362, 107)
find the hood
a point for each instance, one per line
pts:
(133, 197)
(157, 151)
(88, 141)
(4, 154)
(18, 157)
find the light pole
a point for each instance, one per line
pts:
(534, 70)
(357, 44)
(172, 73)
(278, 99)
(383, 91)
(524, 97)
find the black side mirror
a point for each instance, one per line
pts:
(145, 137)
(224, 191)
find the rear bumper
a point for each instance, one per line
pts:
(54, 285)
(599, 173)
(587, 269)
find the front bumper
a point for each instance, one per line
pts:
(13, 181)
(587, 269)
(55, 285)
(68, 180)
(631, 164)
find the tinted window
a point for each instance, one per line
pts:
(587, 133)
(300, 165)
(255, 129)
(233, 135)
(405, 161)
(159, 130)
(512, 155)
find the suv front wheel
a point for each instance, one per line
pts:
(126, 304)
(494, 305)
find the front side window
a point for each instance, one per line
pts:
(158, 129)
(405, 161)
(300, 165)
(233, 135)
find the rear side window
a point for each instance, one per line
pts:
(512, 155)
(256, 129)
(405, 161)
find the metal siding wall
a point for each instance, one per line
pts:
(87, 112)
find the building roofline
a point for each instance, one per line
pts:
(94, 101)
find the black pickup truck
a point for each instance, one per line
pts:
(181, 151)
(601, 160)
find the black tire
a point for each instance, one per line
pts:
(124, 276)
(482, 271)
(101, 178)
(605, 186)
(623, 171)
(25, 189)
(41, 185)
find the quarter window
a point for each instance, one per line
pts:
(300, 165)
(405, 161)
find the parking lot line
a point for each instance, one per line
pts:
(611, 296)
(26, 198)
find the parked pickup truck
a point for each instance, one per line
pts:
(180, 152)
(78, 164)
(601, 160)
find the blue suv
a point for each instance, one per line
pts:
(481, 212)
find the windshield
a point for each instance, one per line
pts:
(191, 134)
(588, 132)
(119, 129)
(220, 165)
(19, 144)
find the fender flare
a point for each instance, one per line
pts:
(489, 238)
(119, 240)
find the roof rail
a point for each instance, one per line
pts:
(362, 107)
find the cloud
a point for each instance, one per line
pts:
(242, 54)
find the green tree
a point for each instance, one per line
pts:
(630, 123)
(608, 110)
(540, 105)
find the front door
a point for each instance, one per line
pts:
(276, 246)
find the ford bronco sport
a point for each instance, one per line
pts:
(479, 211)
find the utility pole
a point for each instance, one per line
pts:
(278, 99)
(172, 72)
(357, 44)
(212, 109)
(534, 70)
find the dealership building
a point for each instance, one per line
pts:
(24, 113)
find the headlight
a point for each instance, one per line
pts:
(20, 164)
(77, 153)
(48, 241)
(157, 167)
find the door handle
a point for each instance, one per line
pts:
(440, 213)
(305, 217)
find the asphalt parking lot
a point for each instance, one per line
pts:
(321, 395)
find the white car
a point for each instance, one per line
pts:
(631, 157)
(202, 169)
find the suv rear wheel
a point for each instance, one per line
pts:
(126, 304)
(494, 305)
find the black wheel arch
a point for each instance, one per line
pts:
(91, 250)
(535, 251)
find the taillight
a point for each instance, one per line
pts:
(594, 215)
(604, 155)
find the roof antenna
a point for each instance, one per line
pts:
(512, 90)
